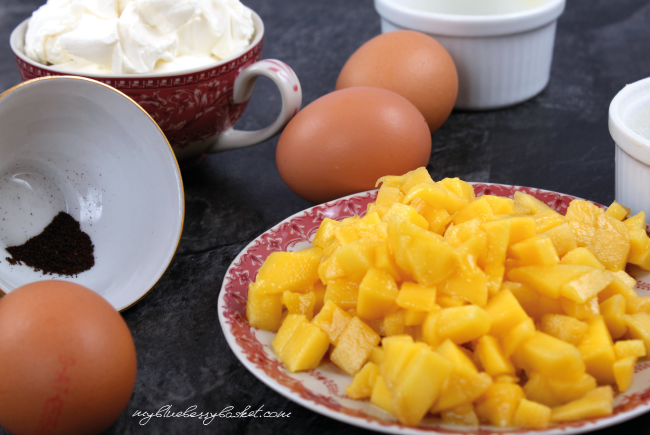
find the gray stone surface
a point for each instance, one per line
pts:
(558, 141)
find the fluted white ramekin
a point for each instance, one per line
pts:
(502, 48)
(629, 125)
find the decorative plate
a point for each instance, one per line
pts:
(323, 390)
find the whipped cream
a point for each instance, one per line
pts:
(137, 36)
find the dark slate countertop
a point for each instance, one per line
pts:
(559, 141)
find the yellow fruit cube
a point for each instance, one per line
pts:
(586, 286)
(625, 348)
(537, 250)
(356, 258)
(551, 357)
(598, 352)
(531, 202)
(413, 296)
(343, 292)
(618, 211)
(459, 187)
(565, 391)
(394, 323)
(624, 372)
(302, 345)
(534, 303)
(563, 238)
(461, 389)
(332, 320)
(639, 246)
(330, 268)
(500, 205)
(596, 403)
(506, 313)
(289, 271)
(407, 212)
(583, 256)
(521, 228)
(547, 219)
(319, 293)
(387, 196)
(492, 358)
(377, 294)
(413, 178)
(419, 386)
(638, 327)
(459, 324)
(499, 403)
(547, 280)
(514, 338)
(385, 260)
(326, 233)
(437, 196)
(420, 253)
(498, 236)
(467, 285)
(263, 310)
(380, 396)
(611, 248)
(353, 346)
(635, 222)
(363, 382)
(532, 414)
(376, 355)
(613, 310)
(479, 209)
(565, 328)
(298, 303)
(584, 311)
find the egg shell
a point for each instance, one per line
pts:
(344, 141)
(414, 65)
(67, 360)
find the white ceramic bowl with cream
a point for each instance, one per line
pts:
(76, 145)
(629, 125)
(503, 49)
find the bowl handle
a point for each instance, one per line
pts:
(286, 81)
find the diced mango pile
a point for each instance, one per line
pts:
(478, 310)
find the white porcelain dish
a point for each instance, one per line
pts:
(503, 49)
(323, 390)
(629, 125)
(76, 145)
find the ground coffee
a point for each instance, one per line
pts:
(62, 248)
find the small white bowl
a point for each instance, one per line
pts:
(76, 145)
(629, 125)
(503, 49)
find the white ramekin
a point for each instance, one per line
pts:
(502, 48)
(629, 125)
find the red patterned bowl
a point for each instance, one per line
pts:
(196, 108)
(323, 390)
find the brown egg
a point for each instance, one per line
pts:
(67, 360)
(410, 63)
(344, 141)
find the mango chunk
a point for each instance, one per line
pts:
(547, 279)
(263, 310)
(353, 346)
(301, 345)
(532, 414)
(537, 250)
(289, 271)
(506, 313)
(332, 320)
(499, 403)
(380, 396)
(595, 403)
(416, 297)
(565, 328)
(624, 372)
(377, 295)
(363, 382)
(586, 286)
